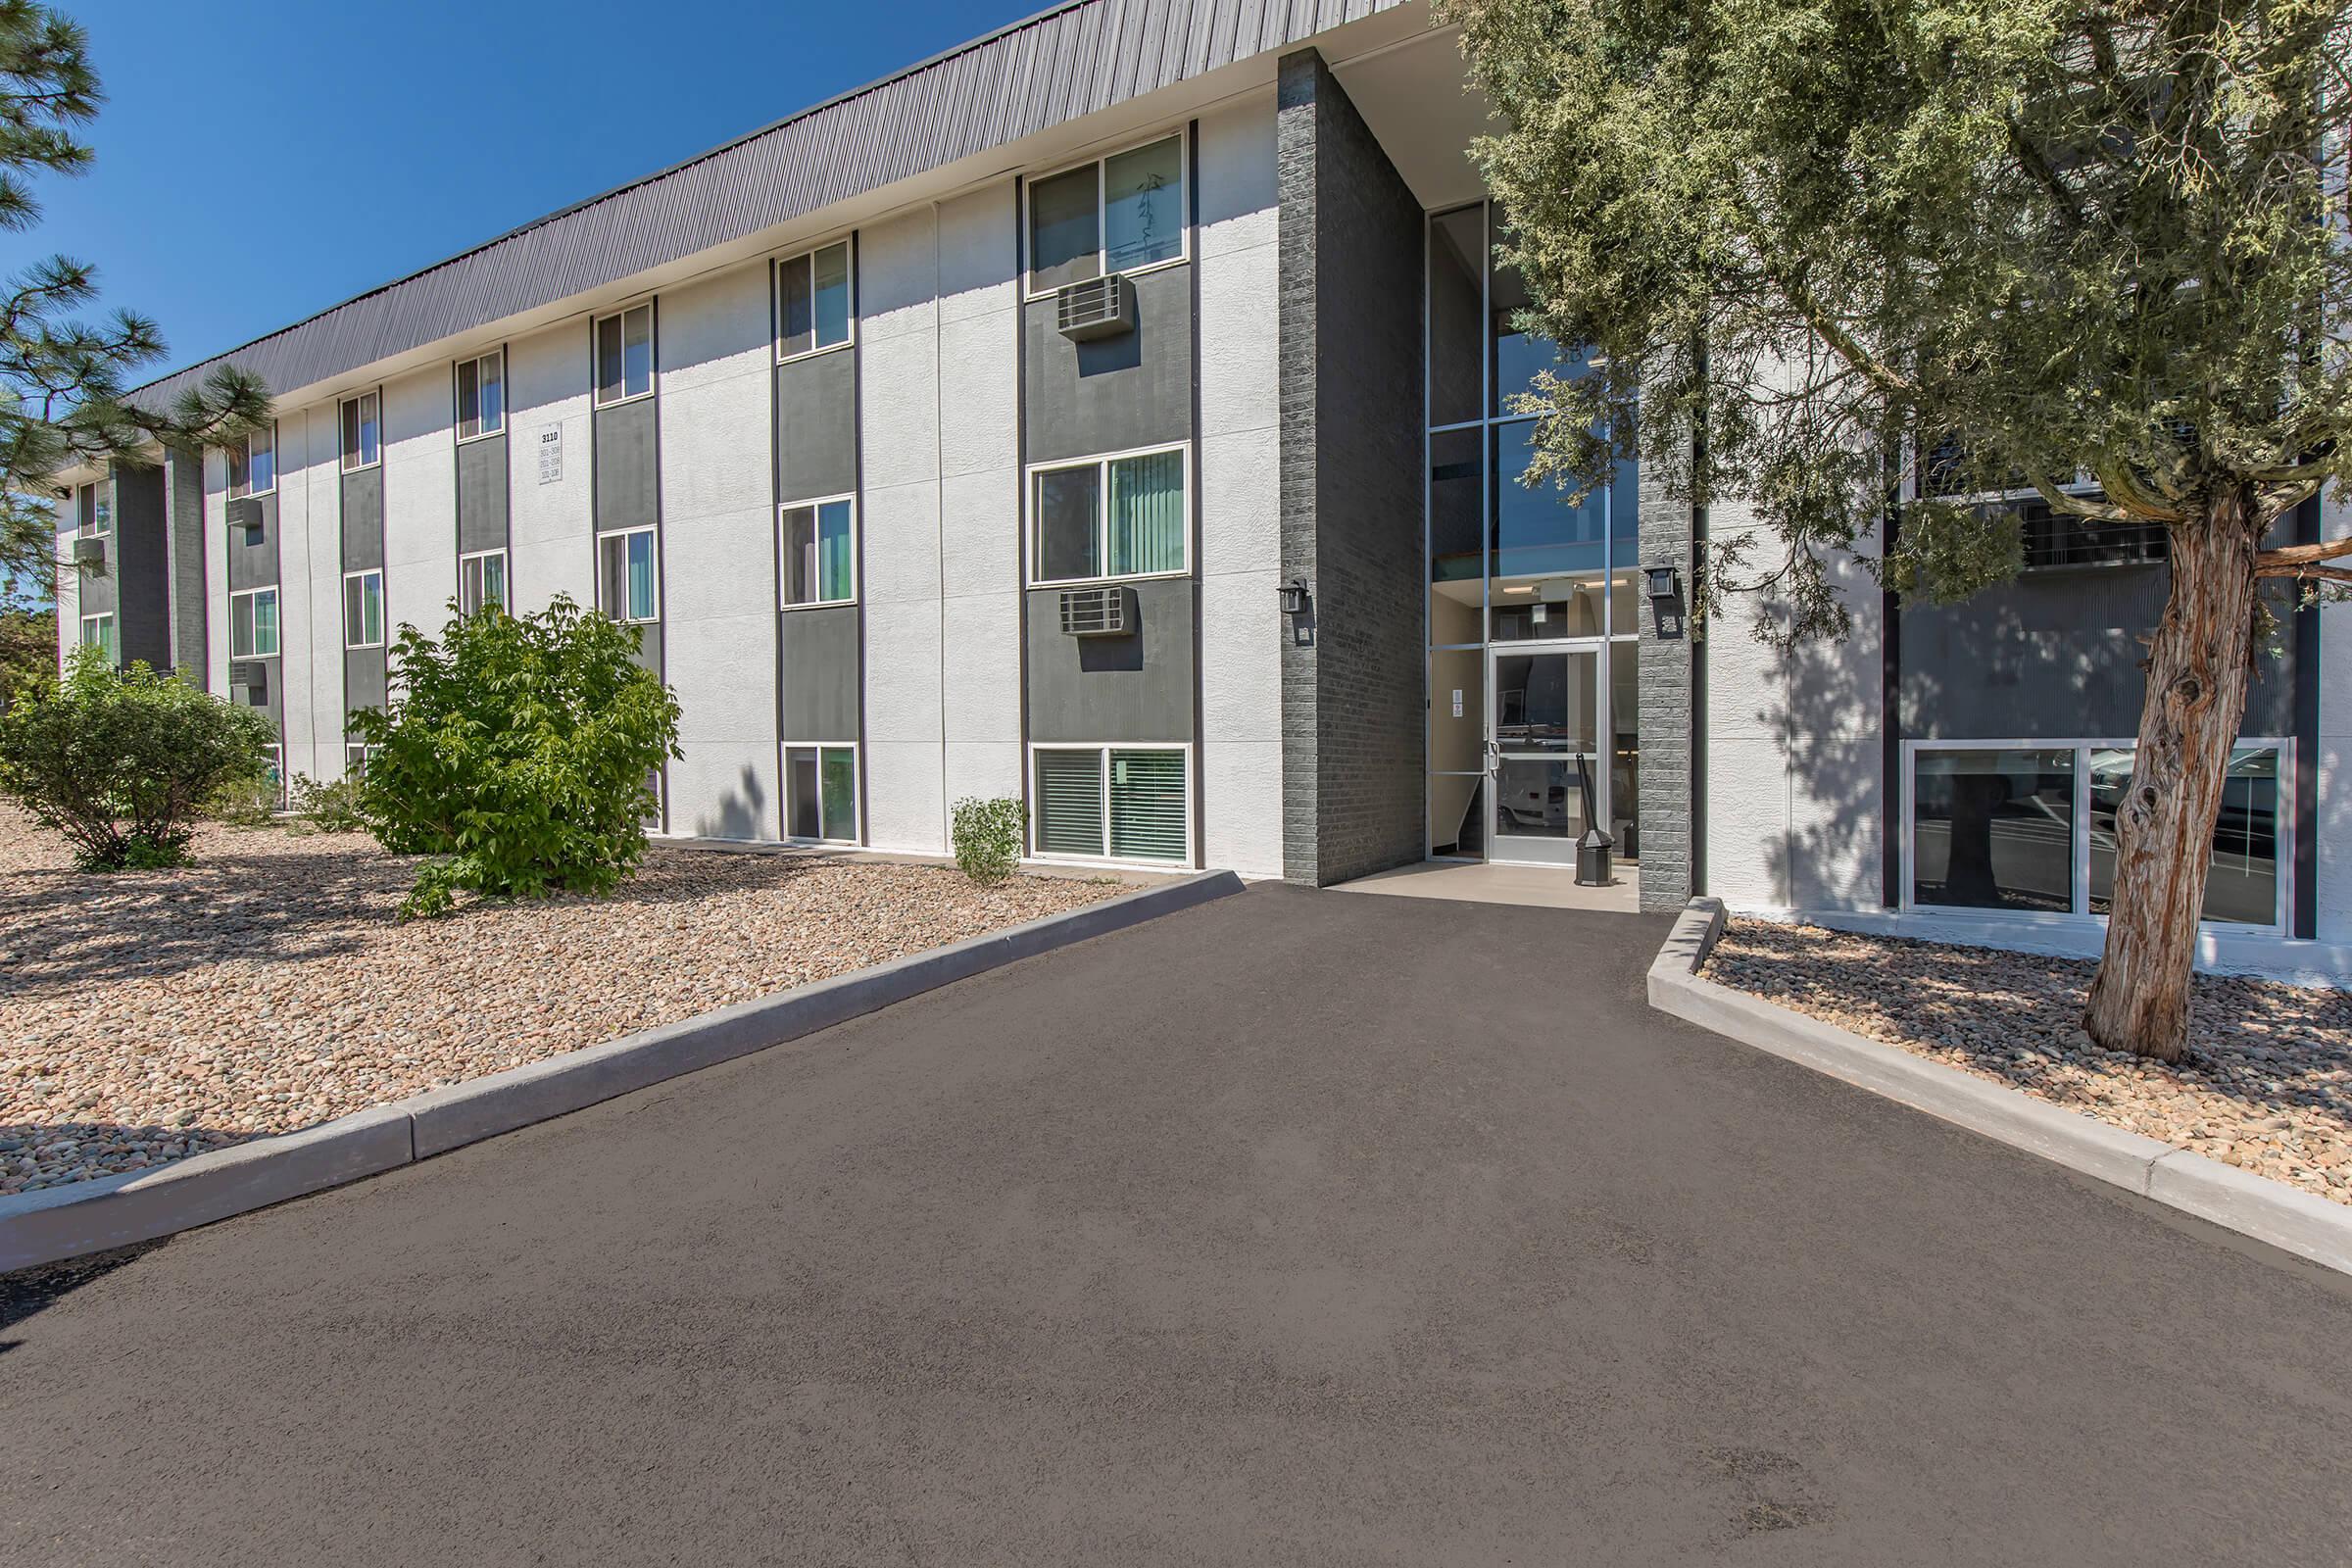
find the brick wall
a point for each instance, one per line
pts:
(1349, 270)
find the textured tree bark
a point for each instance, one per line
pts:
(2197, 697)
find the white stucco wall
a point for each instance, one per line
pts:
(980, 538)
(548, 524)
(1793, 776)
(717, 519)
(306, 611)
(421, 502)
(216, 572)
(68, 583)
(1240, 477)
(311, 467)
(899, 402)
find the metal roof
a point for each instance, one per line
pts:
(1055, 67)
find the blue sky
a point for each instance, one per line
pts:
(258, 160)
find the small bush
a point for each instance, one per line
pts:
(517, 750)
(988, 836)
(248, 801)
(329, 807)
(121, 761)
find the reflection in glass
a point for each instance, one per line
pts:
(1457, 248)
(1519, 355)
(1537, 532)
(1544, 703)
(1457, 535)
(1065, 241)
(1142, 218)
(1542, 798)
(2242, 883)
(1625, 747)
(1993, 830)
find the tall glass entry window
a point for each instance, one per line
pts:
(1533, 595)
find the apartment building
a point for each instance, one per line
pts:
(1114, 413)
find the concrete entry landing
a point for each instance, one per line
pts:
(1541, 887)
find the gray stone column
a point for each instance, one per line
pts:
(1353, 699)
(1669, 795)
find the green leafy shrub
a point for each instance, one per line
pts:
(250, 799)
(517, 750)
(331, 806)
(119, 760)
(988, 835)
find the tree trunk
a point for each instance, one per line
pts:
(2196, 695)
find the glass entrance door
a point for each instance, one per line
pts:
(1547, 775)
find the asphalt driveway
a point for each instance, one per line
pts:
(1301, 1228)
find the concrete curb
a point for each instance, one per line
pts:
(2286, 1217)
(61, 1222)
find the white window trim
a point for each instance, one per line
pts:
(382, 607)
(456, 411)
(249, 593)
(102, 506)
(1101, 463)
(775, 283)
(343, 457)
(87, 621)
(856, 522)
(623, 533)
(1192, 800)
(272, 490)
(485, 555)
(365, 750)
(1182, 136)
(857, 753)
(2081, 917)
(652, 353)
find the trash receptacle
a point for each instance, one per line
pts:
(1593, 859)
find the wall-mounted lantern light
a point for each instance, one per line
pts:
(1295, 597)
(1663, 583)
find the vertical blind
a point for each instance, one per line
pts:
(1146, 514)
(1146, 805)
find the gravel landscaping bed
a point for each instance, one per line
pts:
(2268, 1087)
(145, 1016)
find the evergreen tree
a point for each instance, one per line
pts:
(62, 378)
(2023, 242)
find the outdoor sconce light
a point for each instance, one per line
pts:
(1663, 584)
(1295, 597)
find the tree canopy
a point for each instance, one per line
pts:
(2029, 241)
(64, 379)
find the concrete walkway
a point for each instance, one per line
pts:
(1295, 1229)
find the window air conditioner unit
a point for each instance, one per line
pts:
(1100, 307)
(245, 512)
(254, 675)
(1098, 611)
(91, 553)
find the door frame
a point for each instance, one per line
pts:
(1602, 756)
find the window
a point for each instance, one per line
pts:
(2061, 539)
(1140, 532)
(364, 610)
(482, 582)
(98, 631)
(2029, 828)
(624, 354)
(95, 515)
(819, 539)
(814, 303)
(625, 576)
(363, 431)
(355, 758)
(482, 396)
(820, 793)
(1122, 803)
(1119, 214)
(253, 464)
(253, 624)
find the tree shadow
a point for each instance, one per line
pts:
(2269, 1047)
(61, 929)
